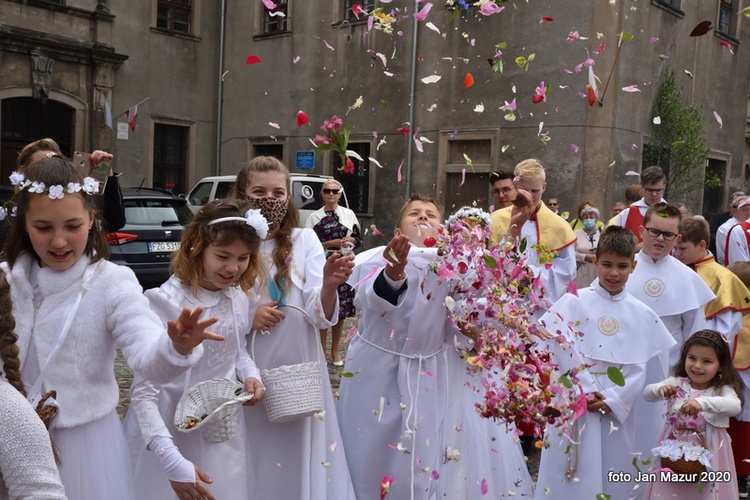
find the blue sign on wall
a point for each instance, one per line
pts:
(305, 159)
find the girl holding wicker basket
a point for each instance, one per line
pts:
(694, 458)
(216, 265)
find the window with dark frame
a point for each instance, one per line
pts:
(174, 15)
(356, 185)
(367, 5)
(726, 17)
(275, 150)
(170, 157)
(276, 23)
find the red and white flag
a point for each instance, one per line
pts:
(132, 115)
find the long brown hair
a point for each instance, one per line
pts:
(53, 170)
(8, 338)
(284, 244)
(187, 262)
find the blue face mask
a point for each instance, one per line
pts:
(589, 224)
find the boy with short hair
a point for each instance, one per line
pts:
(654, 183)
(609, 319)
(391, 412)
(724, 313)
(676, 295)
(737, 246)
(539, 225)
(503, 189)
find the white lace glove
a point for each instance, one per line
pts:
(178, 468)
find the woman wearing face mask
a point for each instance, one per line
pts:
(298, 293)
(338, 230)
(588, 238)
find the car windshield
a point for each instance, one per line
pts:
(156, 212)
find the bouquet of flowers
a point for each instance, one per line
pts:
(497, 297)
(336, 139)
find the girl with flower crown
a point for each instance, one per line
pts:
(701, 396)
(72, 308)
(216, 265)
(297, 288)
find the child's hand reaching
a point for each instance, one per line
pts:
(256, 388)
(596, 403)
(267, 316)
(691, 407)
(396, 253)
(337, 269)
(194, 490)
(667, 391)
(188, 331)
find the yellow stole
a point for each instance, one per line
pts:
(552, 230)
(731, 293)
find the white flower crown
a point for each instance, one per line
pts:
(473, 212)
(253, 218)
(90, 186)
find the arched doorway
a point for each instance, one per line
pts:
(25, 119)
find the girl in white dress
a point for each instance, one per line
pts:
(214, 268)
(297, 289)
(72, 309)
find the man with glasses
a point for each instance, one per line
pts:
(735, 217)
(654, 183)
(503, 189)
(554, 205)
(676, 294)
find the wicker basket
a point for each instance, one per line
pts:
(682, 466)
(218, 400)
(293, 391)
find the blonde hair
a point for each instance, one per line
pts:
(341, 186)
(284, 244)
(199, 234)
(530, 169)
(46, 144)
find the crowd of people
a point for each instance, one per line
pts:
(253, 294)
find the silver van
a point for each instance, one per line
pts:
(305, 192)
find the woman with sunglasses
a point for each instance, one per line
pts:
(338, 230)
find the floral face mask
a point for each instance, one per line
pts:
(273, 209)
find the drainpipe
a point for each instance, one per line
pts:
(220, 98)
(412, 86)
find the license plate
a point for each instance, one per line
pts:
(163, 246)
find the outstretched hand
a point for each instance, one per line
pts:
(197, 490)
(337, 269)
(396, 253)
(188, 331)
(667, 391)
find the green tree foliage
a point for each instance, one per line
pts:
(678, 144)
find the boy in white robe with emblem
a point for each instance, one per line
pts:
(608, 318)
(676, 294)
(391, 410)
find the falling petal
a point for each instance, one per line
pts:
(274, 125)
(727, 45)
(574, 147)
(505, 148)
(431, 79)
(689, 73)
(701, 28)
(432, 108)
(479, 108)
(333, 446)
(373, 160)
(612, 164)
(572, 288)
(422, 14)
(463, 177)
(546, 19)
(653, 39)
(631, 88)
(468, 80)
(632, 172)
(380, 409)
(302, 118)
(433, 28)
(398, 175)
(296, 60)
(484, 488)
(427, 373)
(252, 59)
(718, 119)
(278, 13)
(269, 4)
(657, 120)
(372, 273)
(328, 45)
(353, 330)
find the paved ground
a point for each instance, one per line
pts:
(125, 376)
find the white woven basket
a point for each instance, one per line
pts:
(218, 399)
(293, 391)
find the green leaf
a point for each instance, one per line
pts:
(392, 255)
(565, 381)
(384, 104)
(677, 143)
(349, 374)
(490, 261)
(522, 245)
(615, 375)
(521, 61)
(627, 36)
(497, 67)
(503, 45)
(531, 57)
(635, 464)
(603, 496)
(647, 461)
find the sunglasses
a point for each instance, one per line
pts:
(331, 191)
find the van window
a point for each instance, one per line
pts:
(223, 189)
(201, 193)
(306, 194)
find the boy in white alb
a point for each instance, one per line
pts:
(609, 318)
(676, 294)
(530, 218)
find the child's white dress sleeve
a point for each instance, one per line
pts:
(725, 404)
(651, 391)
(621, 400)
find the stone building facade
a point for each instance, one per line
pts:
(190, 58)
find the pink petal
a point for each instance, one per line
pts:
(422, 14)
(463, 177)
(574, 147)
(269, 4)
(350, 335)
(398, 175)
(296, 60)
(252, 59)
(328, 45)
(718, 119)
(572, 288)
(484, 487)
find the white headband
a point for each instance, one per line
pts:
(90, 186)
(252, 218)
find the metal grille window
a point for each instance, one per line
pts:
(356, 185)
(277, 23)
(367, 5)
(170, 157)
(174, 15)
(726, 17)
